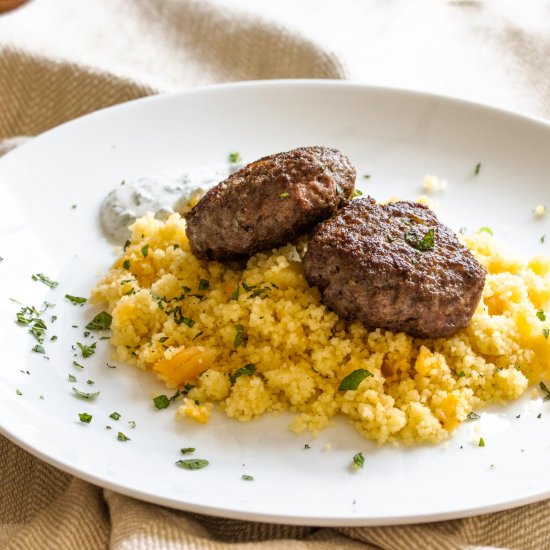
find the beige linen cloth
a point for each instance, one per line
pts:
(62, 58)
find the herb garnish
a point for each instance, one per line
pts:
(235, 293)
(85, 418)
(77, 365)
(481, 442)
(102, 321)
(115, 415)
(192, 463)
(541, 315)
(546, 391)
(126, 264)
(234, 157)
(161, 402)
(18, 392)
(546, 332)
(145, 250)
(240, 336)
(307, 447)
(246, 477)
(460, 375)
(38, 349)
(427, 242)
(352, 380)
(204, 284)
(87, 351)
(132, 424)
(127, 244)
(473, 416)
(85, 395)
(180, 318)
(366, 176)
(43, 279)
(284, 196)
(72, 378)
(122, 437)
(357, 193)
(247, 370)
(477, 168)
(75, 299)
(485, 230)
(359, 460)
(187, 450)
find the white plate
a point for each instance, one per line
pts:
(395, 136)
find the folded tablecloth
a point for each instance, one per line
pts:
(63, 58)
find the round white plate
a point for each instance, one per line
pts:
(396, 137)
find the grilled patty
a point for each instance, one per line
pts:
(394, 266)
(269, 203)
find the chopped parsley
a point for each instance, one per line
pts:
(90, 382)
(127, 244)
(240, 336)
(204, 284)
(161, 402)
(352, 380)
(198, 335)
(477, 168)
(358, 193)
(18, 392)
(485, 230)
(75, 299)
(541, 315)
(359, 460)
(145, 250)
(284, 196)
(246, 477)
(235, 293)
(427, 242)
(180, 318)
(87, 351)
(38, 332)
(473, 416)
(187, 450)
(460, 374)
(38, 349)
(115, 415)
(481, 442)
(546, 391)
(85, 418)
(85, 395)
(72, 378)
(102, 321)
(247, 370)
(366, 176)
(307, 447)
(234, 157)
(43, 279)
(543, 237)
(122, 437)
(192, 463)
(126, 264)
(132, 424)
(163, 339)
(546, 332)
(77, 365)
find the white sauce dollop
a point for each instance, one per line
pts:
(163, 195)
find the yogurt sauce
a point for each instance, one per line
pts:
(163, 195)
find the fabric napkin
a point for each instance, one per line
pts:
(63, 58)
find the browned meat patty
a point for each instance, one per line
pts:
(269, 202)
(394, 266)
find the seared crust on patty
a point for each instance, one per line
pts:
(269, 202)
(394, 266)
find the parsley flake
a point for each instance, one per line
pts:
(546, 391)
(75, 299)
(246, 477)
(43, 279)
(485, 230)
(235, 293)
(38, 349)
(546, 332)
(192, 463)
(481, 442)
(85, 418)
(359, 460)
(240, 336)
(18, 392)
(234, 157)
(77, 365)
(247, 370)
(187, 450)
(122, 437)
(86, 351)
(204, 284)
(284, 196)
(473, 416)
(126, 264)
(307, 447)
(85, 395)
(427, 242)
(357, 193)
(352, 380)
(477, 168)
(127, 244)
(72, 378)
(115, 415)
(161, 402)
(102, 321)
(460, 375)
(541, 315)
(145, 250)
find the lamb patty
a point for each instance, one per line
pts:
(269, 202)
(394, 266)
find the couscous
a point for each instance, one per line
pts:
(254, 337)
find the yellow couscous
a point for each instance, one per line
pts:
(254, 337)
